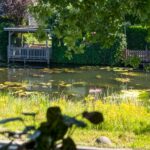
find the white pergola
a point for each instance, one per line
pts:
(27, 54)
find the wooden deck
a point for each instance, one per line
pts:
(29, 54)
(144, 55)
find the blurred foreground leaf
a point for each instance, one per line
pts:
(69, 121)
(94, 117)
(68, 144)
(10, 120)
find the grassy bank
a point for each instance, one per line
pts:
(126, 123)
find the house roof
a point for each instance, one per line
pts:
(24, 29)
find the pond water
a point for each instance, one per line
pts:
(78, 81)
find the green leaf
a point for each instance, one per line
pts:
(68, 144)
(53, 113)
(55, 130)
(28, 145)
(69, 121)
(29, 114)
(35, 135)
(28, 128)
(44, 143)
(94, 117)
(59, 131)
(10, 120)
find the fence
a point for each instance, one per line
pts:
(144, 55)
(29, 54)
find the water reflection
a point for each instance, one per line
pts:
(72, 81)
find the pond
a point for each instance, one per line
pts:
(79, 81)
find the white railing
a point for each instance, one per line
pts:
(29, 53)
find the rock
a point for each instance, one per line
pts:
(104, 140)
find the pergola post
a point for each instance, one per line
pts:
(25, 53)
(47, 41)
(22, 39)
(48, 54)
(9, 46)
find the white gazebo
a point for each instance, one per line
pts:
(26, 53)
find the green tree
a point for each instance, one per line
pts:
(14, 10)
(90, 20)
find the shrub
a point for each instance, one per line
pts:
(93, 54)
(147, 67)
(133, 61)
(137, 38)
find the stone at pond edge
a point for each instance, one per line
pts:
(104, 140)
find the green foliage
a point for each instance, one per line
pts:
(29, 38)
(55, 131)
(126, 118)
(57, 125)
(145, 96)
(93, 117)
(10, 120)
(4, 39)
(132, 19)
(14, 10)
(94, 54)
(40, 34)
(91, 21)
(137, 38)
(133, 61)
(68, 144)
(147, 67)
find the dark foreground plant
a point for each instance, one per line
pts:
(53, 134)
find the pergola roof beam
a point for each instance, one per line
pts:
(24, 29)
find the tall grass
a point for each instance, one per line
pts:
(123, 116)
(126, 122)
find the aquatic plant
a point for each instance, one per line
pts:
(123, 80)
(98, 76)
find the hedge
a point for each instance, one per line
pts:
(96, 55)
(136, 38)
(93, 55)
(4, 39)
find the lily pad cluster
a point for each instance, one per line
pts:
(13, 86)
(17, 88)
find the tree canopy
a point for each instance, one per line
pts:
(90, 20)
(15, 10)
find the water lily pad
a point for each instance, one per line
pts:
(1, 69)
(132, 74)
(38, 75)
(123, 80)
(117, 69)
(98, 76)
(69, 70)
(79, 83)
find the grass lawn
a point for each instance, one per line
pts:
(127, 123)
